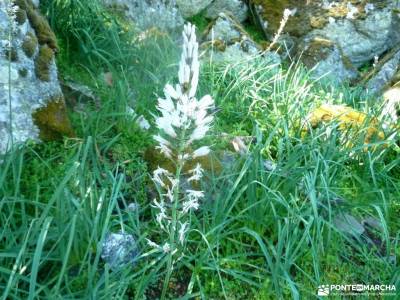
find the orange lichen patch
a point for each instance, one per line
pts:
(53, 121)
(349, 119)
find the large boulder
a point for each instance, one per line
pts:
(145, 14)
(360, 30)
(237, 8)
(31, 101)
(190, 8)
(386, 72)
(228, 41)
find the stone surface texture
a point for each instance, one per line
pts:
(31, 101)
(358, 30)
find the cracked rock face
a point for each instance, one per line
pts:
(227, 40)
(358, 30)
(31, 102)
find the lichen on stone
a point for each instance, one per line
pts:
(52, 120)
(43, 61)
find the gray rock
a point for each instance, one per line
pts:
(22, 93)
(385, 74)
(348, 224)
(327, 60)
(237, 8)
(360, 32)
(163, 14)
(228, 42)
(190, 8)
(362, 39)
(119, 249)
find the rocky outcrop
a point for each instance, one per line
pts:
(31, 101)
(230, 43)
(385, 73)
(145, 14)
(359, 30)
(190, 8)
(237, 8)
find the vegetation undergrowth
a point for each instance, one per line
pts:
(271, 222)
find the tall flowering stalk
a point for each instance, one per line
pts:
(184, 120)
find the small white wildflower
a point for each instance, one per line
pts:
(133, 207)
(194, 195)
(143, 123)
(165, 124)
(183, 156)
(202, 151)
(199, 133)
(152, 244)
(171, 92)
(165, 104)
(161, 217)
(166, 248)
(190, 204)
(289, 12)
(161, 140)
(165, 150)
(157, 175)
(182, 231)
(352, 11)
(376, 61)
(205, 103)
(197, 173)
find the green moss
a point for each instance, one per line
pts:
(11, 54)
(53, 121)
(42, 28)
(42, 63)
(23, 72)
(21, 16)
(297, 25)
(23, 4)
(30, 44)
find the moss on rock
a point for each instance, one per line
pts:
(30, 44)
(39, 23)
(23, 72)
(52, 120)
(21, 16)
(11, 54)
(42, 63)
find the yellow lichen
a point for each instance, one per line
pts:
(53, 121)
(350, 121)
(42, 63)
